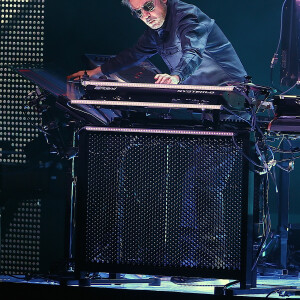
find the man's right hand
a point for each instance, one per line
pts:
(90, 73)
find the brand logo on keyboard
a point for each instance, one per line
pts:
(105, 88)
(196, 92)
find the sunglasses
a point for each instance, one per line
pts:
(148, 6)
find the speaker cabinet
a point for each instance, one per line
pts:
(163, 202)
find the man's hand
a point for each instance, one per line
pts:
(167, 79)
(90, 73)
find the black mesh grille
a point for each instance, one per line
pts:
(162, 200)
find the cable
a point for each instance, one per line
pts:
(281, 27)
(285, 151)
(275, 56)
(247, 157)
(28, 119)
(267, 225)
(290, 89)
(82, 111)
(282, 292)
(289, 159)
(226, 286)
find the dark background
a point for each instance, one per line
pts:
(106, 27)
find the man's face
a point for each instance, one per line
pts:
(155, 18)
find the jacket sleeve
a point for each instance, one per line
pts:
(193, 31)
(143, 49)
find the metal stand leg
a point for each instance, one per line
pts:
(283, 209)
(248, 268)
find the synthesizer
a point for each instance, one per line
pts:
(108, 93)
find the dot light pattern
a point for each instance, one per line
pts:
(163, 201)
(20, 245)
(21, 45)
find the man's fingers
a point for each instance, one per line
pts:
(161, 78)
(166, 79)
(75, 75)
(72, 77)
(158, 79)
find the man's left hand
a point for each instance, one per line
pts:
(166, 79)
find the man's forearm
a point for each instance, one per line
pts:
(90, 73)
(188, 64)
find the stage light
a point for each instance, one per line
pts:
(21, 44)
(20, 248)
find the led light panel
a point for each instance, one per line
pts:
(21, 44)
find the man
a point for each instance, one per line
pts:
(193, 47)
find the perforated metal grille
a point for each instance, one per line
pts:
(163, 201)
(21, 45)
(20, 244)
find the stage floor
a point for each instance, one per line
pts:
(272, 286)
